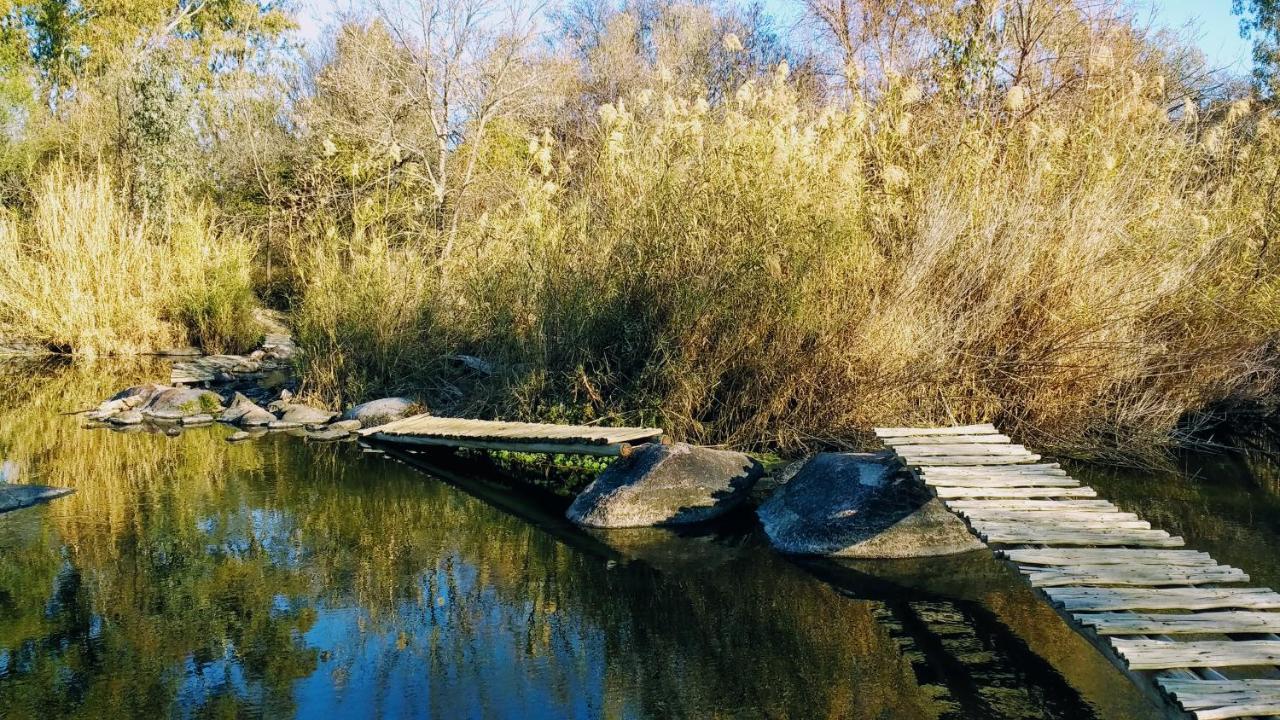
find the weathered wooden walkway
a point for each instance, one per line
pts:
(513, 436)
(1157, 611)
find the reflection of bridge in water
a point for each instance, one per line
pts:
(976, 642)
(1156, 612)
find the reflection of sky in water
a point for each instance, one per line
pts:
(192, 578)
(438, 658)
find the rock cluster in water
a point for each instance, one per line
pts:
(250, 392)
(165, 407)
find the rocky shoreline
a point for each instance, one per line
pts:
(253, 392)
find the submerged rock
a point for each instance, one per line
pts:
(242, 435)
(666, 485)
(855, 505)
(382, 411)
(178, 403)
(347, 425)
(202, 419)
(246, 413)
(328, 435)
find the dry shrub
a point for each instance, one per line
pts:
(82, 274)
(1089, 272)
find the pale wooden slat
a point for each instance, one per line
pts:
(1080, 599)
(984, 429)
(914, 451)
(1009, 481)
(1033, 469)
(1049, 522)
(1239, 711)
(972, 460)
(1133, 575)
(1145, 654)
(1038, 516)
(492, 431)
(1136, 538)
(1216, 699)
(1102, 506)
(934, 439)
(1015, 493)
(1106, 556)
(1231, 621)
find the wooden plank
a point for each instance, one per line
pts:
(1136, 538)
(934, 439)
(510, 446)
(1239, 711)
(1230, 621)
(913, 451)
(1079, 599)
(1015, 493)
(494, 434)
(1106, 556)
(1102, 506)
(1148, 654)
(1213, 699)
(1034, 469)
(1036, 516)
(889, 432)
(972, 460)
(1050, 522)
(1008, 481)
(1134, 575)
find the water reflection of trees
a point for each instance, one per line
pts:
(189, 576)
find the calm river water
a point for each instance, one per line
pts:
(190, 578)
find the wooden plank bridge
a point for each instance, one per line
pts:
(1158, 611)
(513, 436)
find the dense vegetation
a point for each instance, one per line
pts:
(1037, 212)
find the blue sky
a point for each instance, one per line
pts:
(1209, 23)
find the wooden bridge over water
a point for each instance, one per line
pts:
(1173, 619)
(514, 436)
(1169, 617)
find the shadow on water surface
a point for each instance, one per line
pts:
(189, 577)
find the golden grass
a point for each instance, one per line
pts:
(81, 273)
(765, 273)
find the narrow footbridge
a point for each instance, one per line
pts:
(1173, 619)
(513, 436)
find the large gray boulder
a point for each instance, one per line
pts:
(180, 402)
(666, 485)
(381, 411)
(856, 505)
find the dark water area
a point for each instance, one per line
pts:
(191, 578)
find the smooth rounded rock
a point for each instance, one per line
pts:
(246, 413)
(858, 506)
(381, 411)
(178, 403)
(666, 485)
(298, 414)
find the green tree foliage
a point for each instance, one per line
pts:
(1260, 20)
